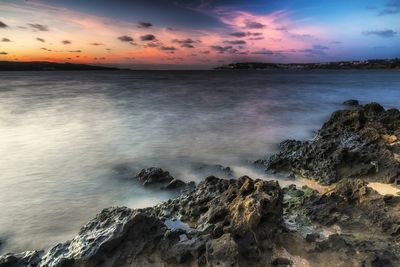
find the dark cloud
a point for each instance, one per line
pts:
(5, 40)
(126, 39)
(153, 44)
(263, 52)
(238, 34)
(3, 25)
(148, 37)
(224, 49)
(235, 42)
(253, 25)
(245, 34)
(255, 38)
(96, 44)
(168, 48)
(282, 29)
(40, 39)
(144, 25)
(391, 8)
(320, 47)
(315, 50)
(46, 49)
(39, 27)
(186, 43)
(3, 53)
(75, 51)
(66, 42)
(381, 33)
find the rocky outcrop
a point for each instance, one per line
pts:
(156, 176)
(352, 219)
(220, 223)
(359, 142)
(153, 175)
(25, 259)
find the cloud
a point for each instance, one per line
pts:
(336, 42)
(238, 34)
(381, 33)
(3, 25)
(320, 47)
(391, 8)
(5, 40)
(66, 42)
(224, 49)
(75, 51)
(148, 37)
(253, 25)
(263, 52)
(126, 39)
(186, 43)
(3, 53)
(40, 39)
(168, 48)
(245, 34)
(39, 27)
(46, 49)
(153, 44)
(256, 38)
(315, 50)
(96, 44)
(235, 42)
(144, 25)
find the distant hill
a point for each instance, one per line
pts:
(40, 66)
(362, 64)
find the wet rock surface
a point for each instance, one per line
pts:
(158, 177)
(359, 142)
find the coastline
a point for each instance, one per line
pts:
(255, 222)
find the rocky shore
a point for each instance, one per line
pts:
(253, 222)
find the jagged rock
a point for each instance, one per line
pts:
(361, 142)
(24, 259)
(154, 175)
(216, 170)
(351, 103)
(176, 184)
(229, 220)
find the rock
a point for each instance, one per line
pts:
(24, 259)
(176, 184)
(230, 223)
(352, 143)
(154, 175)
(223, 251)
(351, 103)
(217, 169)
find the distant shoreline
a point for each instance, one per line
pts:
(49, 66)
(374, 64)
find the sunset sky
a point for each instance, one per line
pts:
(198, 33)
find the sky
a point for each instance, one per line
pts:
(198, 33)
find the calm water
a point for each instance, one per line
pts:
(70, 141)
